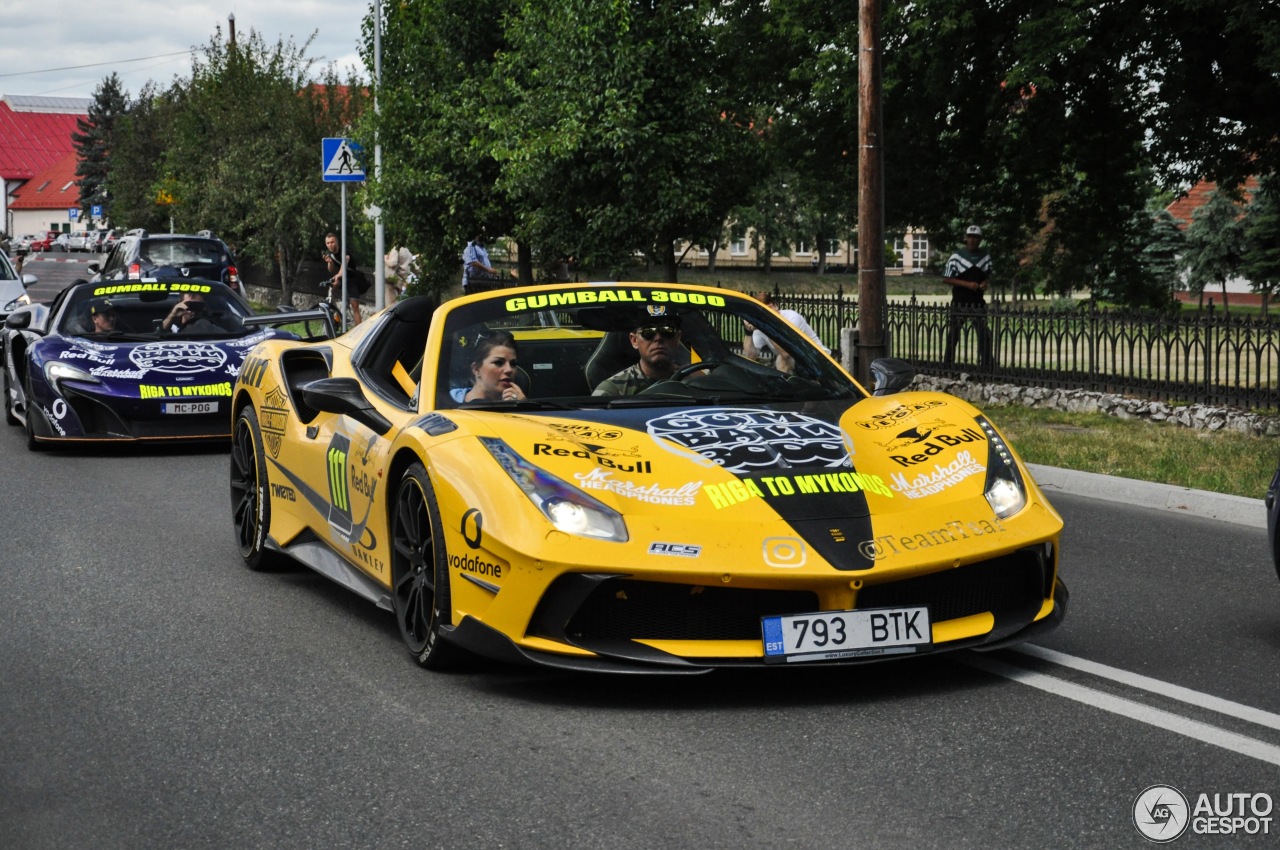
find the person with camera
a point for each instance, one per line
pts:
(189, 315)
(357, 283)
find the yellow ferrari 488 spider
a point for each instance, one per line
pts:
(596, 477)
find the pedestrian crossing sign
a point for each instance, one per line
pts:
(341, 161)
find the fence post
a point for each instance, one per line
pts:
(1210, 356)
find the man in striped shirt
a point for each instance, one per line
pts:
(968, 271)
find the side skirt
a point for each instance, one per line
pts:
(322, 559)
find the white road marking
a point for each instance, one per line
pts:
(1159, 718)
(1155, 686)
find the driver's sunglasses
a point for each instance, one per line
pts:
(667, 332)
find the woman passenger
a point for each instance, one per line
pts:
(493, 366)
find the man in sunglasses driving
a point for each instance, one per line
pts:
(658, 340)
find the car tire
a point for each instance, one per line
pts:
(420, 572)
(33, 444)
(250, 496)
(8, 402)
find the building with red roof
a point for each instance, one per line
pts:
(35, 134)
(42, 203)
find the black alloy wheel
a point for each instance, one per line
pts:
(33, 444)
(419, 571)
(250, 498)
(8, 401)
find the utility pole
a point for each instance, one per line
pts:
(872, 341)
(379, 235)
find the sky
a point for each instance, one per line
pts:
(43, 46)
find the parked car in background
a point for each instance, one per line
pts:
(43, 241)
(141, 254)
(83, 240)
(110, 239)
(63, 242)
(13, 291)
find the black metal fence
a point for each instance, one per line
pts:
(1205, 356)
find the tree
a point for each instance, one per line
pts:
(1212, 76)
(1261, 261)
(243, 152)
(616, 128)
(95, 142)
(439, 182)
(140, 138)
(1163, 244)
(1215, 243)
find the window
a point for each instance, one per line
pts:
(738, 247)
(895, 262)
(802, 247)
(919, 250)
(833, 247)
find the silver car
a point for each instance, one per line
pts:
(83, 240)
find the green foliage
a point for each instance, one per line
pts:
(610, 128)
(1261, 260)
(617, 128)
(438, 185)
(1219, 461)
(1215, 242)
(141, 135)
(95, 141)
(242, 154)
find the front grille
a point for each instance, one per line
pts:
(1001, 584)
(626, 609)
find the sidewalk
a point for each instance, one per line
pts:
(1237, 509)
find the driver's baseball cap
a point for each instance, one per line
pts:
(101, 306)
(973, 230)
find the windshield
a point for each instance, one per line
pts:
(148, 309)
(183, 252)
(622, 345)
(7, 271)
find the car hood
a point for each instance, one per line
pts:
(810, 462)
(136, 368)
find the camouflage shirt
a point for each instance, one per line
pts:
(629, 381)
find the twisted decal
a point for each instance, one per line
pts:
(745, 440)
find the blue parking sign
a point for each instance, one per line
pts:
(73, 213)
(97, 210)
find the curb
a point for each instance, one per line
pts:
(48, 259)
(1146, 494)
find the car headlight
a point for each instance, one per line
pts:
(1005, 490)
(21, 301)
(57, 371)
(568, 508)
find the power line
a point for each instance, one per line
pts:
(97, 64)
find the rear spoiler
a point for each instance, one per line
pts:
(286, 315)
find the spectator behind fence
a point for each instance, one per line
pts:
(478, 274)
(968, 271)
(397, 264)
(755, 343)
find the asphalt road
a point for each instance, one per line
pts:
(56, 270)
(156, 694)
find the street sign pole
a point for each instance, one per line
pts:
(342, 161)
(342, 258)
